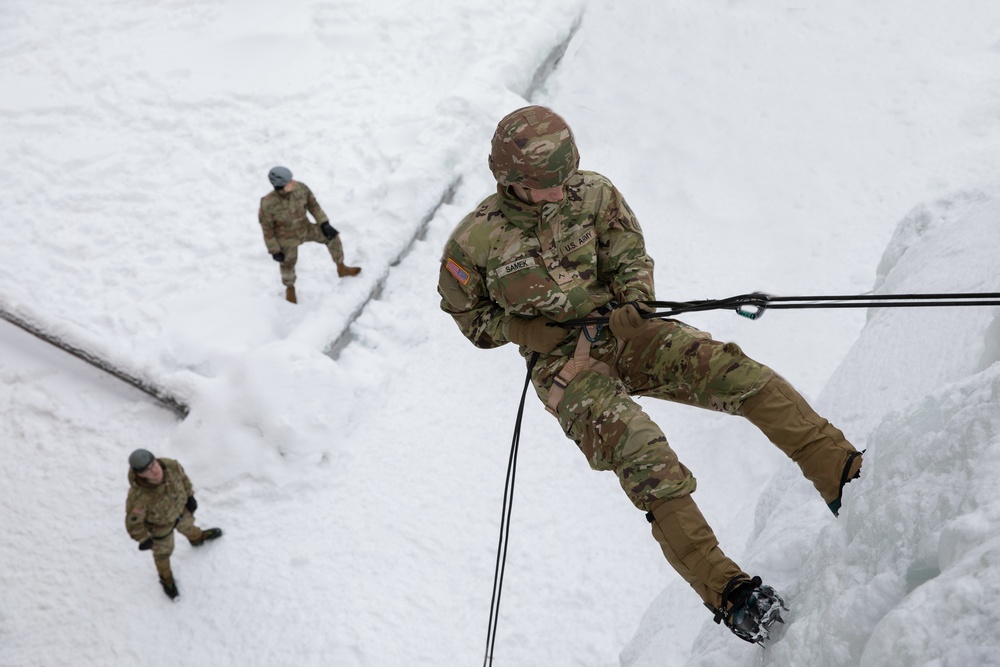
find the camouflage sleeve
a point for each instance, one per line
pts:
(188, 487)
(135, 519)
(313, 206)
(462, 287)
(267, 227)
(622, 260)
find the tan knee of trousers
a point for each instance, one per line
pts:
(690, 546)
(187, 528)
(818, 447)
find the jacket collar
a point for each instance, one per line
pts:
(518, 213)
(527, 216)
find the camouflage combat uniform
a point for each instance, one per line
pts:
(584, 255)
(565, 261)
(285, 226)
(155, 511)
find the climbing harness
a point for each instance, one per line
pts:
(580, 362)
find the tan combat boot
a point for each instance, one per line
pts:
(290, 294)
(690, 546)
(344, 270)
(819, 448)
(748, 607)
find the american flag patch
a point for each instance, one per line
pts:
(461, 275)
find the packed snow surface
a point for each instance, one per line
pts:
(353, 446)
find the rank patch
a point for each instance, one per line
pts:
(461, 275)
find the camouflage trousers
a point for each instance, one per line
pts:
(163, 546)
(670, 360)
(290, 246)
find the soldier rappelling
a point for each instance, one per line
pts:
(556, 243)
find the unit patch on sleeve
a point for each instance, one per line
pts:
(461, 275)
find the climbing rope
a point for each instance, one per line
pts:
(752, 306)
(508, 501)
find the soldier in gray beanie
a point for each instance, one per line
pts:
(283, 221)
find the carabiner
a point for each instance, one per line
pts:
(759, 302)
(598, 330)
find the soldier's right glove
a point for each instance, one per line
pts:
(626, 321)
(279, 256)
(191, 504)
(539, 333)
(146, 544)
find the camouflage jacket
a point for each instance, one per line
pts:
(283, 216)
(561, 260)
(153, 510)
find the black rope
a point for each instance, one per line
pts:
(752, 306)
(508, 501)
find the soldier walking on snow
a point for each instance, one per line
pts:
(285, 225)
(161, 498)
(556, 244)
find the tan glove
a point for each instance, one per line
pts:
(626, 320)
(539, 333)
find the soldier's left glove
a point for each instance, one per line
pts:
(537, 333)
(626, 321)
(191, 504)
(146, 544)
(328, 231)
(278, 256)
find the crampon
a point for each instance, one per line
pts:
(751, 610)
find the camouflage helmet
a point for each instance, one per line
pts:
(140, 459)
(279, 176)
(534, 148)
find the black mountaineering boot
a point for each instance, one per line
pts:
(206, 535)
(170, 588)
(749, 609)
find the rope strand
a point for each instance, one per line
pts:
(752, 306)
(508, 501)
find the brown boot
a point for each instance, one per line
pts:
(344, 270)
(290, 294)
(690, 546)
(820, 449)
